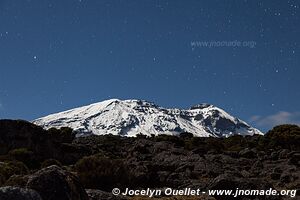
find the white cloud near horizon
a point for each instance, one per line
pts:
(282, 117)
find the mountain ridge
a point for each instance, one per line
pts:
(131, 117)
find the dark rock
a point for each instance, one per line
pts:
(208, 121)
(274, 155)
(101, 195)
(295, 159)
(200, 106)
(17, 193)
(283, 154)
(286, 178)
(213, 152)
(200, 151)
(54, 183)
(257, 166)
(224, 181)
(248, 153)
(162, 146)
(261, 155)
(245, 174)
(141, 146)
(234, 180)
(163, 175)
(224, 123)
(232, 154)
(198, 117)
(177, 179)
(275, 176)
(277, 170)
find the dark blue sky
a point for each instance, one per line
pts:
(56, 55)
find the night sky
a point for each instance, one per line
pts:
(60, 54)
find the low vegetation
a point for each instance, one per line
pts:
(106, 162)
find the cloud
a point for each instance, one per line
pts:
(281, 117)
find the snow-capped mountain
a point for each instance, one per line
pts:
(131, 117)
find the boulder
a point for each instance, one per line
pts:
(274, 155)
(17, 193)
(224, 181)
(257, 166)
(235, 180)
(295, 159)
(283, 154)
(248, 153)
(54, 183)
(100, 195)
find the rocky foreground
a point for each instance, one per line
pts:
(54, 165)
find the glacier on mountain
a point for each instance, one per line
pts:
(132, 117)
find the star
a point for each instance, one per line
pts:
(260, 85)
(160, 7)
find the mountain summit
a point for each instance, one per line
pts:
(132, 117)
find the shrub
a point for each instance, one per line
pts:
(102, 173)
(186, 135)
(62, 135)
(16, 180)
(284, 136)
(194, 143)
(177, 141)
(235, 143)
(21, 154)
(11, 168)
(25, 156)
(215, 144)
(141, 136)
